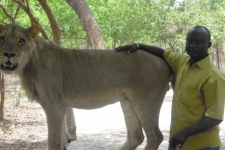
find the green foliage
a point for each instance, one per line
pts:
(73, 34)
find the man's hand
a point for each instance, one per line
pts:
(128, 48)
(178, 139)
(147, 48)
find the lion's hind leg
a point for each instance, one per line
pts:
(134, 129)
(66, 135)
(148, 113)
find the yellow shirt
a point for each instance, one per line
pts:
(199, 91)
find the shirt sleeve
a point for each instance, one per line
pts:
(214, 98)
(174, 60)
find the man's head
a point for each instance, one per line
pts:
(197, 43)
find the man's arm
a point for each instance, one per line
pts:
(203, 125)
(148, 48)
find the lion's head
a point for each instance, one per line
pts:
(16, 46)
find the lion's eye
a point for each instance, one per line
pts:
(21, 41)
(2, 39)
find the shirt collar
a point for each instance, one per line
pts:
(202, 63)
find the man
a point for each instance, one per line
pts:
(198, 101)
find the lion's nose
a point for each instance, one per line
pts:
(9, 55)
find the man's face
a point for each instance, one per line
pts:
(197, 43)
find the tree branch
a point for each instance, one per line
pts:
(7, 14)
(56, 32)
(16, 13)
(31, 16)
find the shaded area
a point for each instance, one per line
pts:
(24, 145)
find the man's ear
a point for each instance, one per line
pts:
(32, 31)
(210, 44)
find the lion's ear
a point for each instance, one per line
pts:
(33, 31)
(2, 27)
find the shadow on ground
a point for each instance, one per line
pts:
(23, 145)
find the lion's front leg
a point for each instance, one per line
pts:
(56, 127)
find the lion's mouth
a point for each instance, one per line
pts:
(8, 66)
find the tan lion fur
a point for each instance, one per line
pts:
(57, 78)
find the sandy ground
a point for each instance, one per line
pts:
(24, 127)
(104, 129)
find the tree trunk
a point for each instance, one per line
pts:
(217, 57)
(2, 96)
(89, 23)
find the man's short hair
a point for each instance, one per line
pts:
(206, 29)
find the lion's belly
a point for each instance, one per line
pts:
(93, 101)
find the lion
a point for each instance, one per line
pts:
(58, 77)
